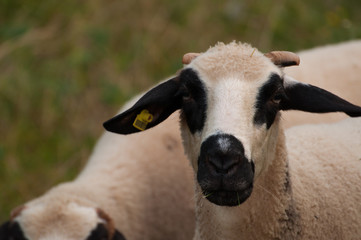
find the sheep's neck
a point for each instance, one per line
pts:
(268, 214)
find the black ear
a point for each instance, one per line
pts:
(118, 236)
(5, 231)
(156, 105)
(309, 98)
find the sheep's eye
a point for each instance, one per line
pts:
(186, 96)
(277, 98)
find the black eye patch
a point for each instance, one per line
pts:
(11, 231)
(267, 103)
(101, 233)
(194, 100)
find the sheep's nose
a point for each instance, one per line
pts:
(221, 154)
(222, 163)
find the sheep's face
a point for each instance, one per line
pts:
(64, 221)
(230, 98)
(229, 108)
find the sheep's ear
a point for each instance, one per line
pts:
(5, 231)
(150, 110)
(308, 98)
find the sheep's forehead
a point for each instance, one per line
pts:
(71, 221)
(231, 110)
(233, 75)
(234, 60)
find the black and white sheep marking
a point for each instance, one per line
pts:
(230, 99)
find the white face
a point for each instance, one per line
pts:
(58, 221)
(227, 150)
(71, 222)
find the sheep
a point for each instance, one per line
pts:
(128, 184)
(250, 182)
(336, 67)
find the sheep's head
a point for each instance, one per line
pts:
(59, 221)
(230, 98)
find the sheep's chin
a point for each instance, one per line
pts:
(229, 198)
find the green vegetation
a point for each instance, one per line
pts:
(66, 66)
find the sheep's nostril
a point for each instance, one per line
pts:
(231, 163)
(214, 163)
(223, 164)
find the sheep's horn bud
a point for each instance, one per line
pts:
(109, 222)
(188, 57)
(16, 212)
(283, 58)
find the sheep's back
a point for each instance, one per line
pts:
(325, 170)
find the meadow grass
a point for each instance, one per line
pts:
(66, 66)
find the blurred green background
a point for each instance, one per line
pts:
(66, 66)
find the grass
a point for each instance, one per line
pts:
(66, 66)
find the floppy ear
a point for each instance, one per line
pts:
(5, 231)
(308, 98)
(150, 110)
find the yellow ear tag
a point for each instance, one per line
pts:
(142, 120)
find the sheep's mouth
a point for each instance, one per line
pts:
(228, 198)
